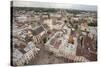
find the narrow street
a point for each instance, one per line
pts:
(45, 57)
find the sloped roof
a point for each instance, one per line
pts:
(38, 30)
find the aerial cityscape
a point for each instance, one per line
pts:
(52, 35)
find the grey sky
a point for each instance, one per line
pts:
(54, 5)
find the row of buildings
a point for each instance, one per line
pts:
(65, 34)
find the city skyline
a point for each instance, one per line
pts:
(54, 5)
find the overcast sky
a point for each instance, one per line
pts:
(54, 5)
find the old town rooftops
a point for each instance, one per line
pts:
(38, 30)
